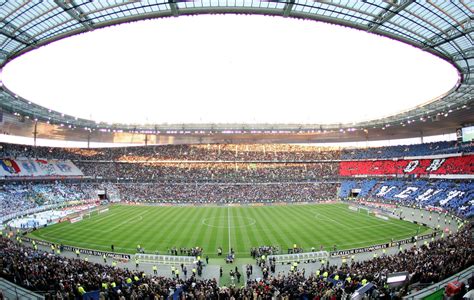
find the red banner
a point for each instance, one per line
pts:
(439, 166)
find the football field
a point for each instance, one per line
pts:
(158, 228)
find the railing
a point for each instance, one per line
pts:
(13, 291)
(300, 257)
(165, 259)
(463, 275)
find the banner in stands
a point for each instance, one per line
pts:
(439, 166)
(37, 168)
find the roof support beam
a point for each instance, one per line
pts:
(452, 34)
(445, 13)
(387, 15)
(76, 14)
(23, 36)
(173, 7)
(13, 37)
(15, 10)
(288, 7)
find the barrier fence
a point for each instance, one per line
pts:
(165, 259)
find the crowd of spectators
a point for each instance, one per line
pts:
(230, 152)
(209, 152)
(225, 193)
(19, 197)
(456, 196)
(426, 264)
(215, 171)
(264, 250)
(408, 150)
(68, 278)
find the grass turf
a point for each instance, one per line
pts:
(158, 228)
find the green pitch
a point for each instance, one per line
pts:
(157, 229)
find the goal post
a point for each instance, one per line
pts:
(365, 211)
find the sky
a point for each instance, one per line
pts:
(228, 69)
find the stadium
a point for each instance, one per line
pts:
(244, 163)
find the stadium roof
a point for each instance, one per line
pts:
(442, 28)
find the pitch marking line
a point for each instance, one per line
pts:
(228, 224)
(330, 219)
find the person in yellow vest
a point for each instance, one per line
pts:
(375, 255)
(136, 278)
(348, 278)
(113, 285)
(401, 248)
(114, 264)
(1, 233)
(292, 268)
(52, 248)
(33, 242)
(364, 281)
(295, 265)
(336, 277)
(263, 257)
(352, 258)
(318, 272)
(128, 280)
(384, 252)
(81, 290)
(194, 271)
(105, 286)
(155, 269)
(325, 275)
(143, 275)
(294, 246)
(173, 270)
(77, 253)
(58, 251)
(35, 247)
(177, 273)
(344, 261)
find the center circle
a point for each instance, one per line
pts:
(218, 220)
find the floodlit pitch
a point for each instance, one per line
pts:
(158, 228)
